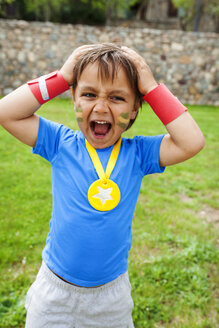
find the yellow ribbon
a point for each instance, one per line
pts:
(104, 176)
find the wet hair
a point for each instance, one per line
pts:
(110, 59)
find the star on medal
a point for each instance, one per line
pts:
(104, 194)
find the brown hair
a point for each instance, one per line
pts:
(110, 58)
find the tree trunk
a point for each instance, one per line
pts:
(47, 11)
(197, 15)
(108, 12)
(142, 10)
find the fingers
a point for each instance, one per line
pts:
(81, 50)
(146, 81)
(134, 56)
(67, 68)
(129, 52)
(78, 52)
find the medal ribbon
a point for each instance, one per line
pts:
(104, 176)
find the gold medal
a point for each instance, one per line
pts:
(104, 194)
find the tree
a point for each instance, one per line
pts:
(3, 6)
(38, 9)
(113, 8)
(44, 7)
(190, 11)
(83, 12)
(197, 15)
(141, 7)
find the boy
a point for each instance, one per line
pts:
(96, 177)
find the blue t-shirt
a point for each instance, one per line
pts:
(85, 246)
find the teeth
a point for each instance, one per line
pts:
(101, 122)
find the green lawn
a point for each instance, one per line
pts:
(173, 262)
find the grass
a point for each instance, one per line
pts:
(173, 264)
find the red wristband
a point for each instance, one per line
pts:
(48, 86)
(165, 105)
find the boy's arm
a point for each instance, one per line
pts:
(183, 141)
(184, 138)
(17, 110)
(17, 115)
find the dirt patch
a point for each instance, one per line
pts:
(211, 215)
(185, 199)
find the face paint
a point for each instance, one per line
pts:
(123, 120)
(125, 115)
(122, 125)
(78, 113)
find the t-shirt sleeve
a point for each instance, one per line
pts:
(49, 138)
(148, 149)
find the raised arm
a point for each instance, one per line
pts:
(184, 138)
(17, 110)
(17, 115)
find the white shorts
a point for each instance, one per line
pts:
(54, 303)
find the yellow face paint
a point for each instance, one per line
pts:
(78, 113)
(123, 120)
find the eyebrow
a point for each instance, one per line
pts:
(115, 91)
(88, 88)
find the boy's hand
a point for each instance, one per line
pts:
(146, 81)
(67, 68)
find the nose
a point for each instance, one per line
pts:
(101, 106)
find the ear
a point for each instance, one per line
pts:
(134, 111)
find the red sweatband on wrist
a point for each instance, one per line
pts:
(165, 105)
(48, 86)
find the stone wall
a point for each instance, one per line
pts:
(187, 62)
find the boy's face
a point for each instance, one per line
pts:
(103, 107)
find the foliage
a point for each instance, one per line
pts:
(70, 11)
(100, 11)
(173, 264)
(3, 3)
(188, 9)
(112, 8)
(44, 7)
(76, 11)
(67, 11)
(213, 7)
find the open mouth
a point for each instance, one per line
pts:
(100, 128)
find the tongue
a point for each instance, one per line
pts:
(101, 128)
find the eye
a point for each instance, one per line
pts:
(88, 95)
(117, 98)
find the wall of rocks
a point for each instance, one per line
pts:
(187, 62)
